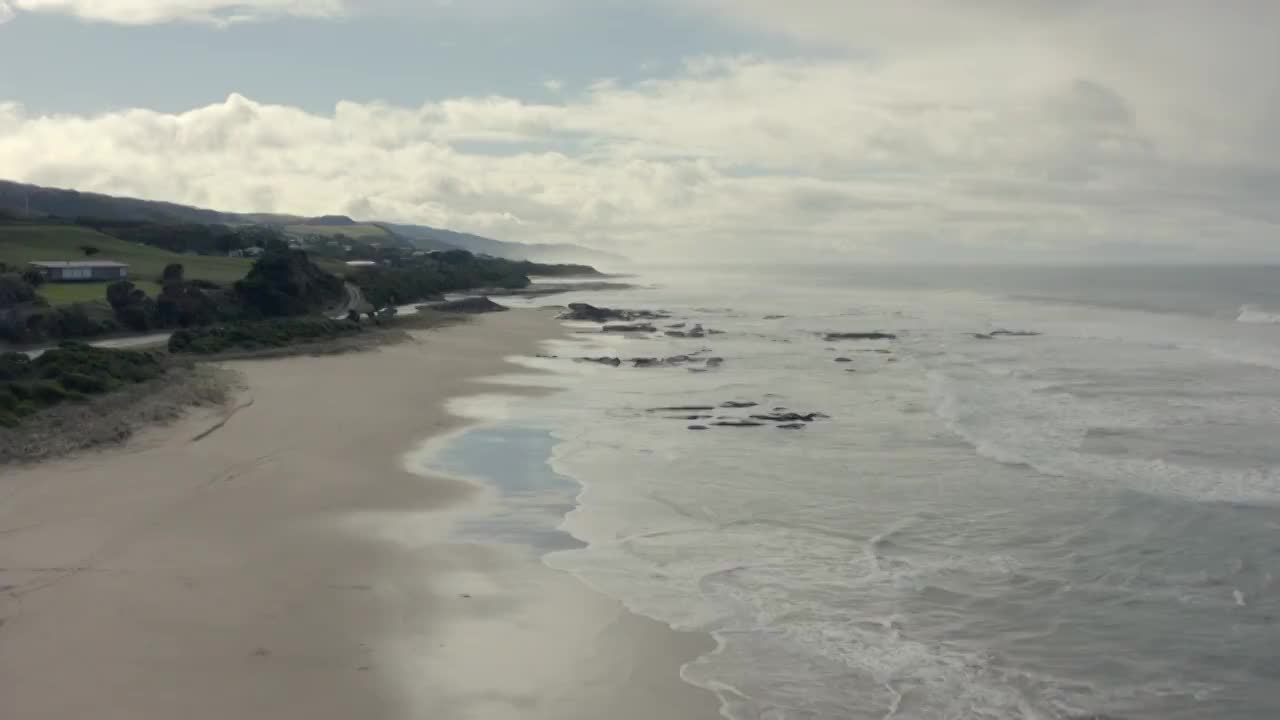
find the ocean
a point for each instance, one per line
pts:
(1054, 494)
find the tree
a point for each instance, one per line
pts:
(33, 277)
(173, 273)
(89, 250)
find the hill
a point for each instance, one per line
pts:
(25, 242)
(35, 202)
(429, 238)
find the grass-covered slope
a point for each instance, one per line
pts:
(22, 243)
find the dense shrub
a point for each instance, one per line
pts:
(71, 372)
(425, 278)
(258, 335)
(284, 283)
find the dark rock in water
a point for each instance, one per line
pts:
(882, 352)
(982, 336)
(636, 328)
(688, 417)
(793, 426)
(1014, 333)
(786, 417)
(832, 337)
(775, 317)
(684, 408)
(715, 362)
(470, 306)
(678, 326)
(547, 357)
(699, 427)
(715, 332)
(844, 360)
(737, 423)
(591, 313)
(851, 370)
(738, 404)
(612, 361)
(696, 332)
(676, 334)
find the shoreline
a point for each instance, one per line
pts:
(286, 564)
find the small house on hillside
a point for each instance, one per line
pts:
(82, 270)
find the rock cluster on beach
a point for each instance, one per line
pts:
(584, 312)
(471, 306)
(834, 336)
(780, 417)
(1005, 333)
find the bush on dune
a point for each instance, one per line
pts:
(258, 335)
(70, 372)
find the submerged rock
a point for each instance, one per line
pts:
(738, 404)
(788, 417)
(611, 361)
(844, 360)
(684, 408)
(635, 328)
(699, 427)
(793, 426)
(1014, 333)
(737, 423)
(832, 337)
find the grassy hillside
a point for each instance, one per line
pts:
(22, 243)
(362, 231)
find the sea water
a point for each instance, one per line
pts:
(1079, 520)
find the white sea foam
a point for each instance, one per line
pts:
(865, 566)
(1254, 314)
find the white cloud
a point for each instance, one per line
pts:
(147, 12)
(1028, 129)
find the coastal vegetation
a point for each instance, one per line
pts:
(69, 373)
(263, 334)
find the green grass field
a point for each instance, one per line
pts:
(67, 293)
(22, 243)
(363, 232)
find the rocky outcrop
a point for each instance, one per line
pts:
(789, 417)
(470, 306)
(611, 361)
(635, 328)
(590, 313)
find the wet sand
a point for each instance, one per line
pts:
(276, 560)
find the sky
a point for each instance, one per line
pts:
(921, 130)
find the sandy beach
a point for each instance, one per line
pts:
(277, 560)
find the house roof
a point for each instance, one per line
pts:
(79, 264)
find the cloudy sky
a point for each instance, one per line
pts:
(926, 129)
